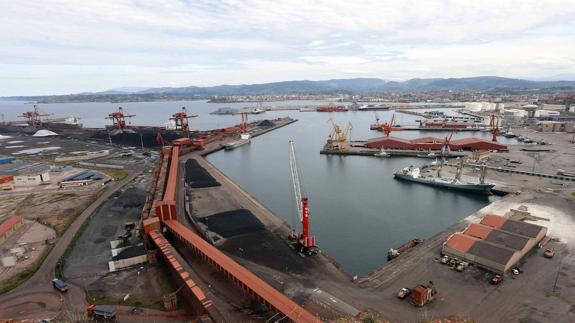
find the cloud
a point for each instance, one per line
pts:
(257, 40)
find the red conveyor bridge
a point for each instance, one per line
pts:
(161, 211)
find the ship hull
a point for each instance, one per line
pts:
(236, 144)
(471, 188)
(138, 137)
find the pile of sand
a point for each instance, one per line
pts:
(44, 133)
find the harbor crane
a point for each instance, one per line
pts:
(34, 117)
(494, 124)
(305, 241)
(386, 128)
(119, 118)
(338, 138)
(445, 149)
(181, 119)
(244, 123)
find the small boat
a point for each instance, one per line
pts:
(428, 155)
(382, 154)
(244, 140)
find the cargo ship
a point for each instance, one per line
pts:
(35, 121)
(372, 107)
(412, 174)
(331, 108)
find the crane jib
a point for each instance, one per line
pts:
(295, 179)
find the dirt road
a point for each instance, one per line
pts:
(36, 298)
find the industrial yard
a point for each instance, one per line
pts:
(159, 232)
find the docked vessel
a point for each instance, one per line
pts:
(372, 107)
(330, 108)
(382, 154)
(244, 140)
(412, 174)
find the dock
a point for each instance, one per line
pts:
(355, 150)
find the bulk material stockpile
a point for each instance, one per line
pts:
(197, 176)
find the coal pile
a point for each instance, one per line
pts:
(197, 176)
(232, 223)
(266, 124)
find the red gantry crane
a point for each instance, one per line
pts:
(244, 123)
(494, 123)
(34, 117)
(387, 128)
(445, 149)
(181, 119)
(119, 118)
(305, 241)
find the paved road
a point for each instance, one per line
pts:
(35, 298)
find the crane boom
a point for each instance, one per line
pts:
(295, 178)
(305, 240)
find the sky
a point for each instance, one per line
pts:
(60, 47)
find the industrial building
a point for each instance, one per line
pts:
(33, 175)
(427, 143)
(496, 243)
(9, 226)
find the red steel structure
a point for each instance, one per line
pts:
(244, 123)
(181, 118)
(119, 118)
(494, 124)
(386, 128)
(34, 117)
(163, 211)
(249, 282)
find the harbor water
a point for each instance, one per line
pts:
(358, 211)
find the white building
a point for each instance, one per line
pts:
(32, 179)
(546, 113)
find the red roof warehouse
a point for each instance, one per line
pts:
(432, 143)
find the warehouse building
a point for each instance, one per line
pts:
(433, 143)
(496, 243)
(8, 227)
(30, 176)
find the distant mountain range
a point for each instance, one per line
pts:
(361, 85)
(336, 86)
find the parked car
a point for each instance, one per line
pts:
(403, 293)
(496, 280)
(445, 259)
(59, 285)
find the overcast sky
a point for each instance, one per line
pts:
(58, 47)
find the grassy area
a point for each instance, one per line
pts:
(25, 201)
(116, 174)
(22, 276)
(100, 297)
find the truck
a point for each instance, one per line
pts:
(101, 313)
(394, 253)
(422, 294)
